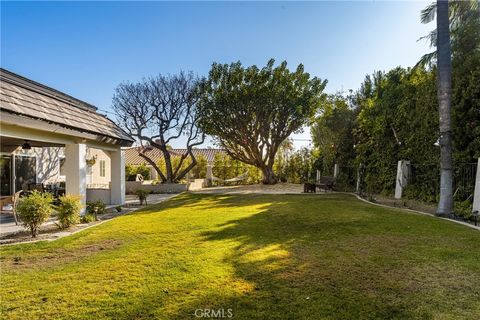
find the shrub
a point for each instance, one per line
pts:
(88, 218)
(69, 210)
(95, 208)
(98, 207)
(131, 172)
(34, 210)
(118, 208)
(142, 195)
(464, 209)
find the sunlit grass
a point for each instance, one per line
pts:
(263, 256)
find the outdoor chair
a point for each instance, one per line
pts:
(36, 186)
(326, 183)
(12, 200)
(309, 187)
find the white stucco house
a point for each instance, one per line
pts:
(50, 138)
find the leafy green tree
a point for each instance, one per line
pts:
(395, 119)
(332, 131)
(132, 170)
(200, 170)
(284, 152)
(225, 167)
(300, 166)
(251, 111)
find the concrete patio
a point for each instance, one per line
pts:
(8, 226)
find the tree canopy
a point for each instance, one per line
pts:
(157, 111)
(394, 116)
(251, 111)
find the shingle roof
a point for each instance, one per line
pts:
(24, 97)
(132, 157)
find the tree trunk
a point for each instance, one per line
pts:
(268, 175)
(168, 165)
(154, 165)
(444, 86)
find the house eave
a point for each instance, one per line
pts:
(11, 118)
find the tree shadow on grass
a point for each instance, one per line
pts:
(300, 261)
(197, 201)
(291, 257)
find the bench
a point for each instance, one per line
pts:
(309, 187)
(326, 183)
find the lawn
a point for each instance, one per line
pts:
(262, 256)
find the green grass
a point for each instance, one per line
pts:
(263, 256)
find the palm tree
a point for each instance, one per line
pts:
(463, 19)
(444, 93)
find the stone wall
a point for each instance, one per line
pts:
(197, 184)
(99, 194)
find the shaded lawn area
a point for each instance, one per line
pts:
(263, 256)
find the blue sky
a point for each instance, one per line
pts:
(87, 48)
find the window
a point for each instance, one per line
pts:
(102, 168)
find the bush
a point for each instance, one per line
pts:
(142, 195)
(224, 167)
(464, 209)
(34, 210)
(118, 208)
(88, 218)
(95, 208)
(69, 210)
(131, 172)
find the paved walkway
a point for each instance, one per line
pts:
(131, 199)
(8, 227)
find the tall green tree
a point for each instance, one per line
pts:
(464, 19)
(251, 111)
(332, 131)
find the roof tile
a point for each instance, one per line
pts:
(27, 98)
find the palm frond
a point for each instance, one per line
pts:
(426, 60)
(428, 14)
(431, 38)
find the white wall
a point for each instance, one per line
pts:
(95, 169)
(48, 164)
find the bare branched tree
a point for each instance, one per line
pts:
(158, 110)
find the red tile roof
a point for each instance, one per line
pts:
(132, 157)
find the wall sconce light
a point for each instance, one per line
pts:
(26, 145)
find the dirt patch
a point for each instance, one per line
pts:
(406, 204)
(58, 256)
